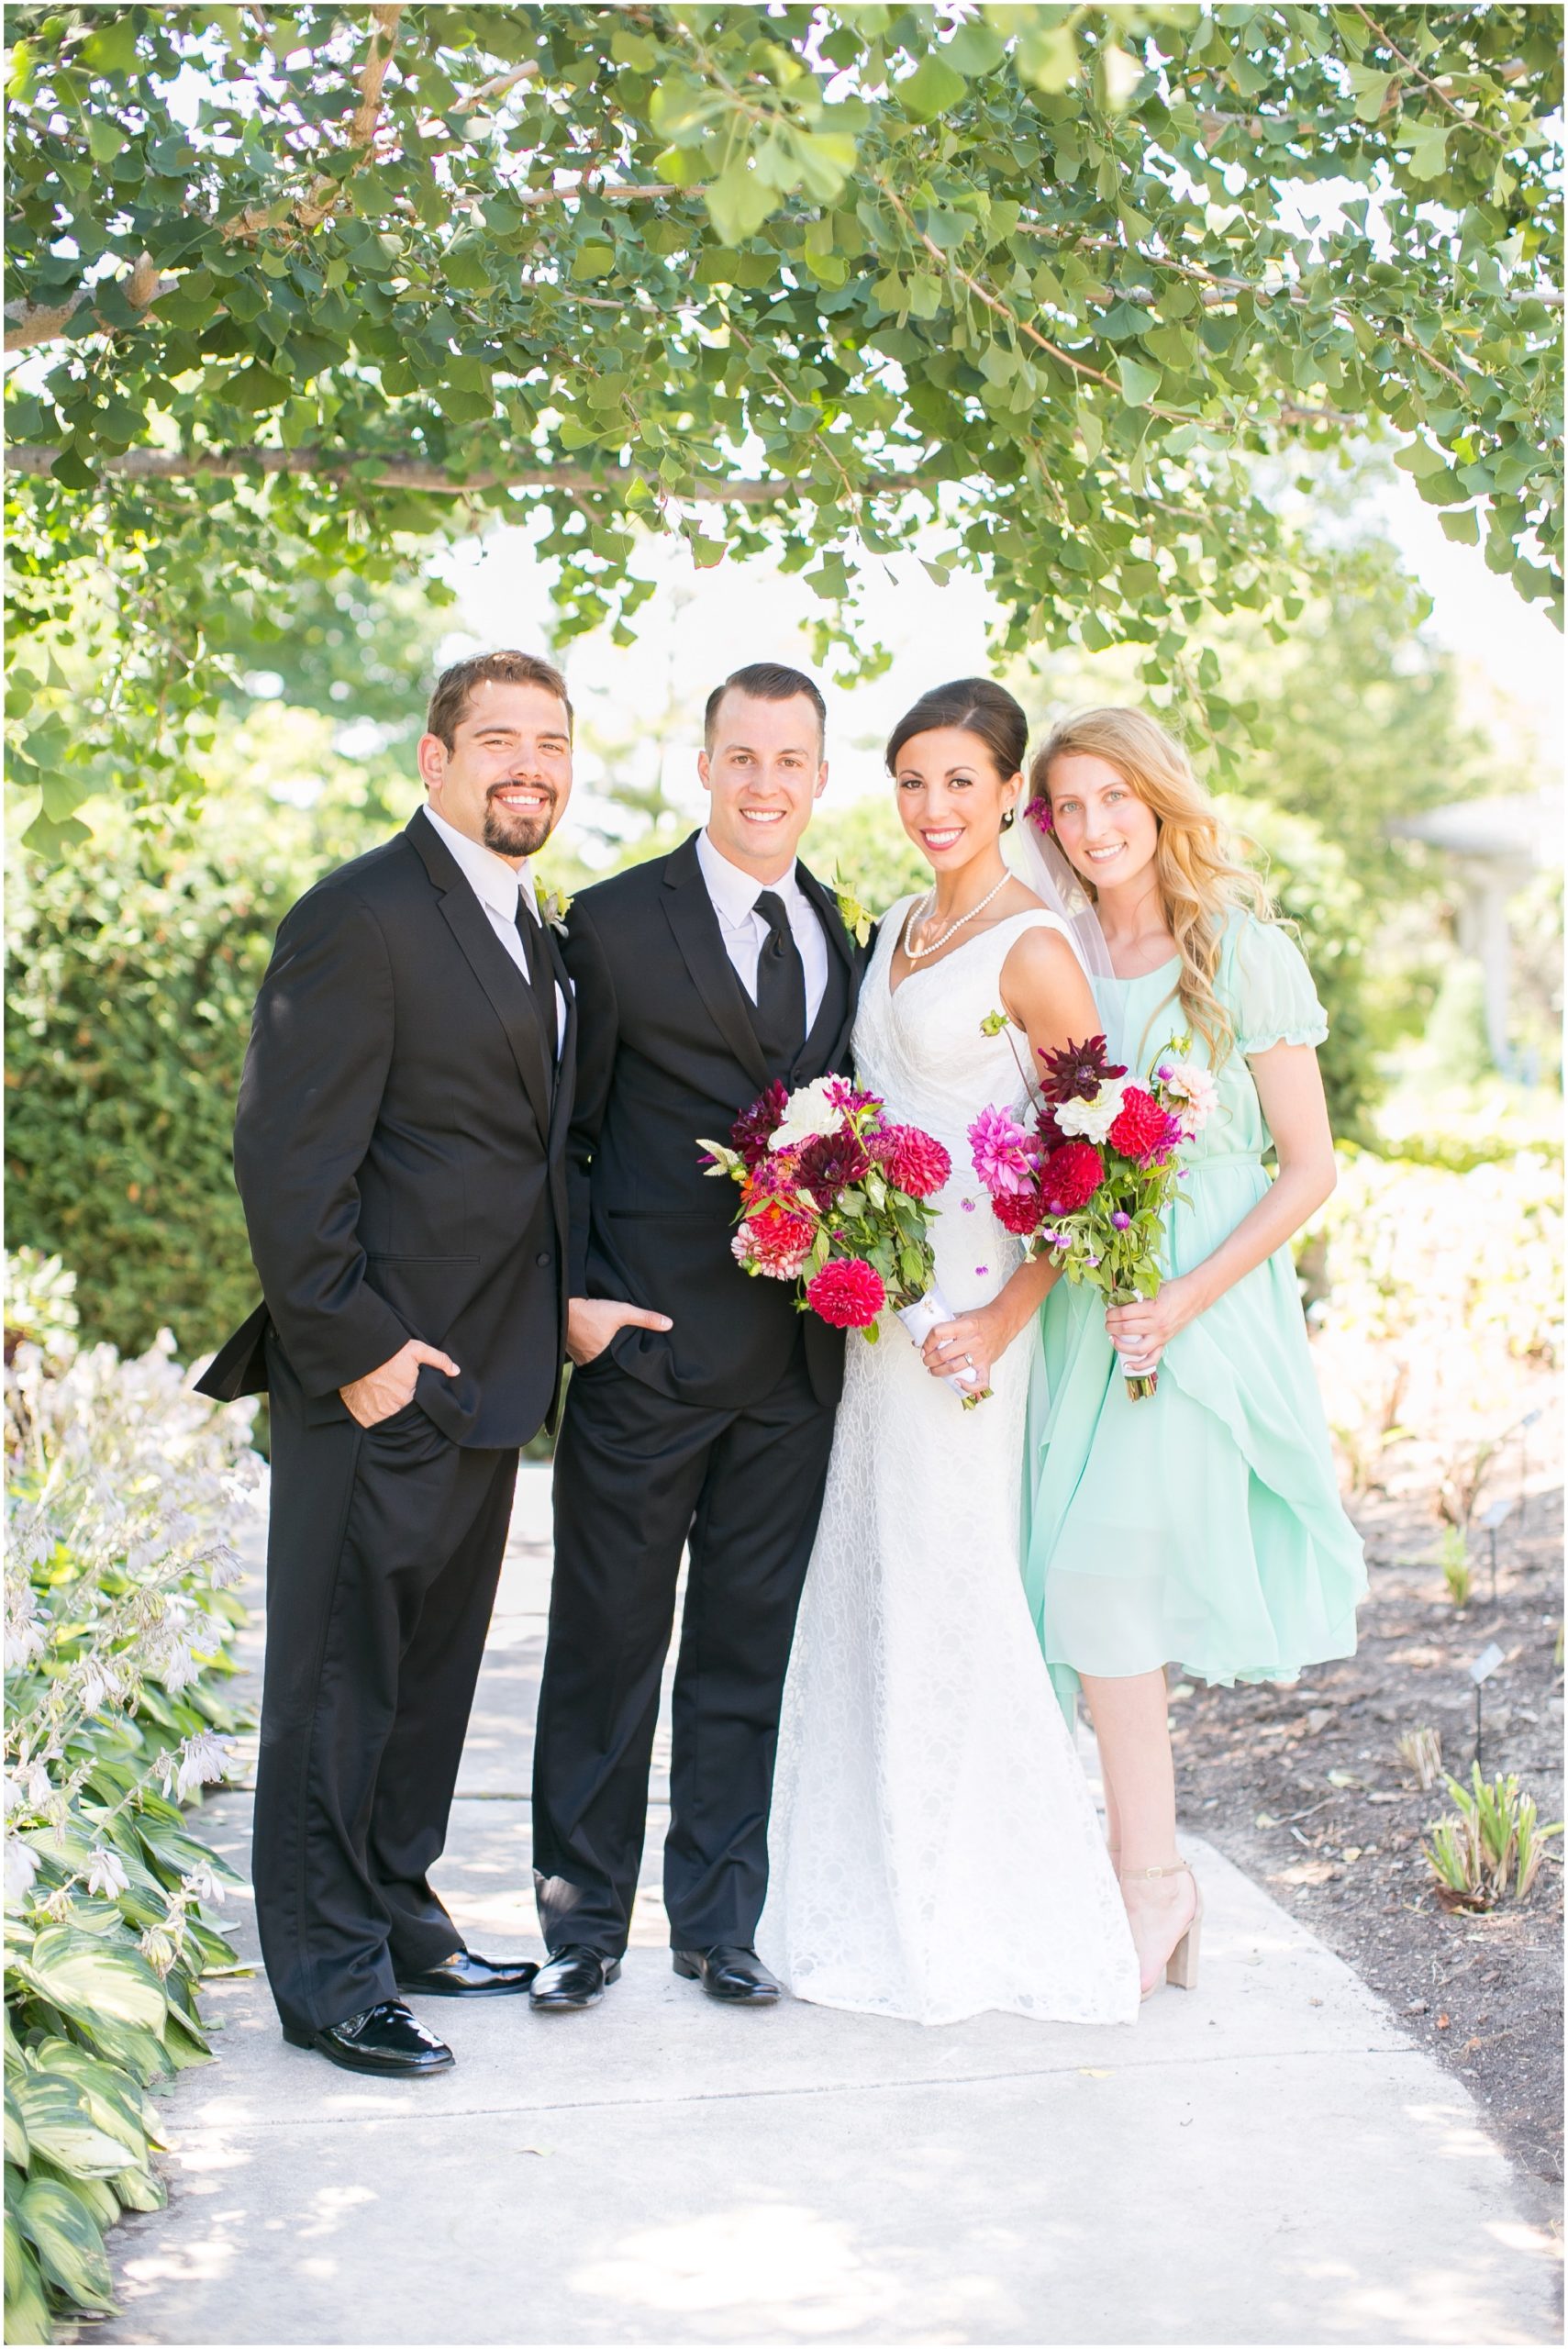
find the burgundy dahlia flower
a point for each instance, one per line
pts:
(848, 1293)
(1070, 1177)
(829, 1163)
(1077, 1071)
(913, 1161)
(755, 1126)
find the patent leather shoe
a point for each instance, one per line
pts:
(573, 1977)
(386, 2039)
(735, 1975)
(464, 1975)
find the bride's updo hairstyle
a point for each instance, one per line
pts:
(1201, 877)
(975, 706)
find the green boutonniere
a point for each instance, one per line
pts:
(858, 919)
(554, 904)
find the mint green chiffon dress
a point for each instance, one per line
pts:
(1201, 1526)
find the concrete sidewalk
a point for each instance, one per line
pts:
(1267, 2160)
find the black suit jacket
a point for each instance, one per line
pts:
(669, 1055)
(400, 1157)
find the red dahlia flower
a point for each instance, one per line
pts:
(1070, 1177)
(779, 1238)
(913, 1161)
(848, 1293)
(1077, 1071)
(828, 1164)
(755, 1126)
(1142, 1129)
(1019, 1211)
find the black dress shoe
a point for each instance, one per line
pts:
(573, 1977)
(465, 1976)
(386, 2039)
(736, 1976)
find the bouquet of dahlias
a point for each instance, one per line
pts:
(834, 1195)
(1092, 1180)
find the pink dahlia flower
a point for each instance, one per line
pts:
(1006, 1158)
(848, 1293)
(913, 1161)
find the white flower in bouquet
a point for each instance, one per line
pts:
(1197, 1093)
(1092, 1120)
(816, 1108)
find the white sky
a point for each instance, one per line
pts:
(700, 625)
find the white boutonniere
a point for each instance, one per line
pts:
(858, 919)
(554, 904)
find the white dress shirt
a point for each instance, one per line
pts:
(500, 887)
(744, 930)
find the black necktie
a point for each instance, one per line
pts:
(781, 986)
(542, 976)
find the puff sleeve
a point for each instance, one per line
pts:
(1277, 1001)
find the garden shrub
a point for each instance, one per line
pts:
(119, 1614)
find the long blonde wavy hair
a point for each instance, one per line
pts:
(1201, 877)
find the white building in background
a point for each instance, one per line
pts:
(1493, 847)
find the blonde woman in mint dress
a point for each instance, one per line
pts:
(1201, 1526)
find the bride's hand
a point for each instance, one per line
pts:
(966, 1347)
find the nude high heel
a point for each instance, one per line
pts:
(1180, 1968)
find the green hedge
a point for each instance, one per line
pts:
(118, 1619)
(131, 996)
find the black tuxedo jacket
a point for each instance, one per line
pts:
(669, 1055)
(399, 1154)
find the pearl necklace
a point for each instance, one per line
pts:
(923, 911)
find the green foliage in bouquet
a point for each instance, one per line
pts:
(119, 1621)
(1049, 283)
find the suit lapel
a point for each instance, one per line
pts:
(566, 1058)
(695, 925)
(503, 982)
(824, 1051)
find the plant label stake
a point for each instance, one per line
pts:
(1524, 1425)
(1491, 1519)
(1485, 1666)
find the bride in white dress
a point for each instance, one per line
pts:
(933, 1848)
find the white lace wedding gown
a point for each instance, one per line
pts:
(933, 1848)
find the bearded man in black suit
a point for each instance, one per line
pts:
(700, 1410)
(400, 1150)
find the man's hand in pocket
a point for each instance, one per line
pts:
(380, 1392)
(591, 1322)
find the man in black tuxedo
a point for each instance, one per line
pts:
(401, 1152)
(701, 1406)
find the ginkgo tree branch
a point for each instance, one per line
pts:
(32, 462)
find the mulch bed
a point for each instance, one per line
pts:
(1305, 1788)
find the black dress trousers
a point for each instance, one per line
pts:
(637, 1473)
(382, 1556)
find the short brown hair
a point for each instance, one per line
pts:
(765, 681)
(448, 703)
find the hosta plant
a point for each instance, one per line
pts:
(120, 1612)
